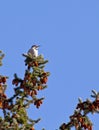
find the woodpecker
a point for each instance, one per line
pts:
(33, 51)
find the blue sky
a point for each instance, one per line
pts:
(68, 32)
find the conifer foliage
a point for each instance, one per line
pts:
(79, 119)
(25, 93)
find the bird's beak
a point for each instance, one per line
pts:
(37, 46)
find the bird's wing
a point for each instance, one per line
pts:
(30, 51)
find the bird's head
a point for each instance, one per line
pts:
(35, 47)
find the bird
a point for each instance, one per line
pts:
(33, 51)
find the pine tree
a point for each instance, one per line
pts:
(26, 93)
(80, 119)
